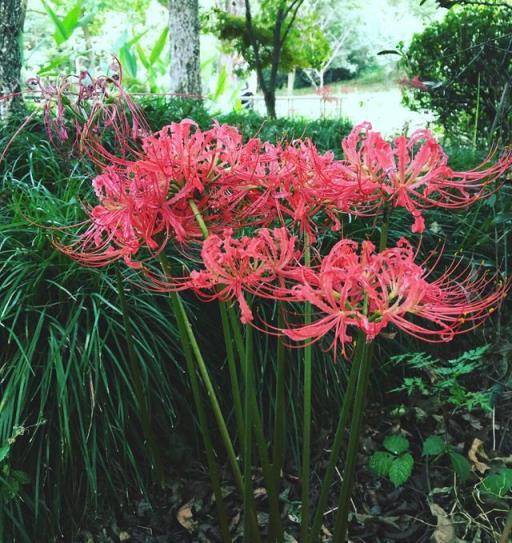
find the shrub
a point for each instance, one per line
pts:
(466, 60)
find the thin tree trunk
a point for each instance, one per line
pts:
(500, 110)
(270, 102)
(184, 39)
(291, 82)
(12, 17)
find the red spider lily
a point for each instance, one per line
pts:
(234, 267)
(326, 94)
(133, 213)
(89, 106)
(202, 166)
(368, 290)
(144, 203)
(413, 173)
(415, 83)
(283, 183)
(193, 159)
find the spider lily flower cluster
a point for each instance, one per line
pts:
(249, 220)
(244, 207)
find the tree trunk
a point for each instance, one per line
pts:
(12, 17)
(184, 39)
(270, 102)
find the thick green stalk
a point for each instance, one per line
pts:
(334, 455)
(199, 218)
(138, 381)
(203, 370)
(279, 411)
(275, 527)
(237, 333)
(228, 339)
(249, 535)
(233, 372)
(306, 433)
(341, 524)
(384, 229)
(275, 521)
(203, 420)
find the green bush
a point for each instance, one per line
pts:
(325, 133)
(466, 58)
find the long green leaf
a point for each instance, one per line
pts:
(158, 47)
(61, 33)
(72, 18)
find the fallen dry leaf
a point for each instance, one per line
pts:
(186, 518)
(124, 536)
(444, 532)
(477, 449)
(259, 492)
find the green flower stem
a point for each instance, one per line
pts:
(275, 528)
(306, 434)
(384, 229)
(341, 524)
(245, 430)
(138, 382)
(250, 535)
(190, 338)
(237, 333)
(233, 372)
(334, 455)
(203, 421)
(279, 411)
(199, 218)
(228, 339)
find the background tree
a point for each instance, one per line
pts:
(283, 15)
(184, 40)
(12, 16)
(465, 60)
(273, 40)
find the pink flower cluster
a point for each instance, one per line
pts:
(246, 207)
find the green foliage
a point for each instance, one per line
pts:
(396, 463)
(401, 469)
(305, 46)
(325, 133)
(436, 447)
(11, 480)
(460, 464)
(396, 444)
(380, 462)
(69, 421)
(466, 57)
(433, 446)
(444, 379)
(64, 27)
(498, 484)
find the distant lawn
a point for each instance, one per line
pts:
(376, 80)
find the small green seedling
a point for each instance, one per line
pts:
(435, 446)
(396, 462)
